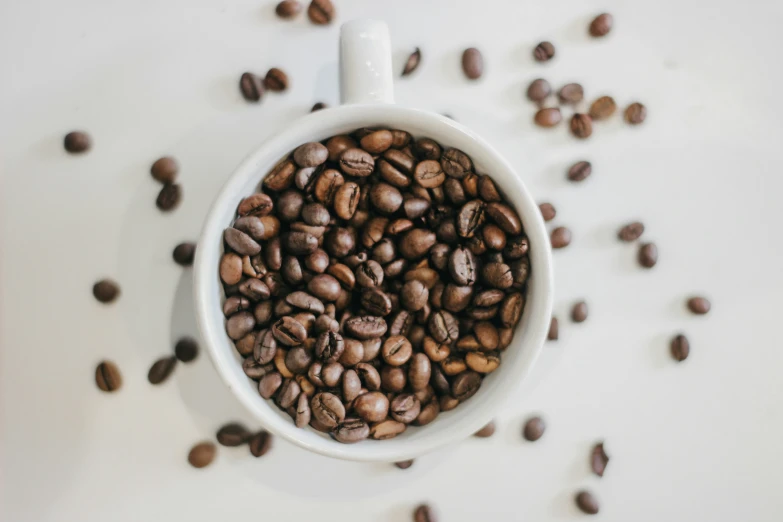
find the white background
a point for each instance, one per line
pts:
(699, 440)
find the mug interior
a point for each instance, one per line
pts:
(516, 361)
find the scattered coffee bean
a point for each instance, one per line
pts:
(579, 312)
(581, 126)
(424, 513)
(472, 63)
(534, 429)
(544, 52)
(635, 113)
(548, 117)
(161, 369)
(165, 170)
(412, 62)
(169, 197)
(699, 305)
(183, 254)
(680, 347)
(108, 377)
(631, 232)
(320, 12)
(601, 25)
(587, 503)
(260, 443)
(318, 106)
(276, 80)
(560, 237)
(404, 464)
(288, 9)
(251, 86)
(548, 211)
(106, 291)
(648, 255)
(602, 108)
(571, 93)
(77, 141)
(580, 171)
(486, 431)
(539, 90)
(233, 434)
(186, 349)
(202, 454)
(554, 330)
(599, 459)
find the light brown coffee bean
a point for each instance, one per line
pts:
(108, 377)
(472, 63)
(202, 454)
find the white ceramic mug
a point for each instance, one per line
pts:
(367, 96)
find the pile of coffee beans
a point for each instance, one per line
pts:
(373, 282)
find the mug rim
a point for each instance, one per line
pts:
(211, 322)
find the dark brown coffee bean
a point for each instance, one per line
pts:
(429, 174)
(356, 162)
(539, 90)
(298, 359)
(456, 298)
(183, 254)
(260, 443)
(169, 197)
(288, 9)
(548, 117)
(599, 459)
(288, 393)
(161, 369)
(571, 93)
(463, 266)
(365, 327)
(443, 327)
(352, 431)
(516, 248)
(276, 80)
(579, 312)
(186, 349)
(601, 25)
(369, 375)
(465, 385)
(631, 232)
(560, 237)
(424, 513)
(602, 108)
(497, 275)
(472, 63)
(471, 217)
(554, 330)
(255, 205)
(419, 371)
(416, 243)
(456, 163)
(486, 431)
(202, 454)
(699, 305)
(386, 429)
(427, 149)
(534, 429)
(412, 62)
(414, 295)
(377, 142)
(635, 113)
(346, 200)
(511, 310)
(264, 347)
(404, 464)
(648, 255)
(311, 154)
(320, 12)
(318, 106)
(385, 198)
(396, 350)
(239, 325)
(240, 242)
(256, 371)
(108, 377)
(305, 301)
(544, 52)
(233, 434)
(165, 170)
(251, 86)
(680, 347)
(289, 332)
(372, 406)
(77, 142)
(581, 126)
(369, 274)
(106, 291)
(587, 503)
(580, 171)
(405, 408)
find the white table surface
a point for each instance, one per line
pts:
(694, 441)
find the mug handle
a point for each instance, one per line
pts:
(365, 63)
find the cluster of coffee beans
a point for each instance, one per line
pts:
(320, 12)
(373, 282)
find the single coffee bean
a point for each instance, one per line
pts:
(699, 305)
(571, 93)
(288, 393)
(165, 170)
(648, 255)
(327, 409)
(289, 332)
(352, 385)
(233, 434)
(329, 347)
(298, 359)
(416, 243)
(377, 142)
(183, 254)
(497, 275)
(599, 459)
(587, 502)
(579, 312)
(261, 443)
(548, 117)
(443, 327)
(108, 377)
(580, 171)
(472, 63)
(365, 327)
(486, 431)
(320, 12)
(169, 197)
(539, 90)
(186, 349)
(602, 108)
(276, 80)
(239, 325)
(456, 163)
(554, 330)
(255, 205)
(202, 454)
(548, 211)
(372, 406)
(254, 370)
(427, 149)
(631, 232)
(288, 9)
(560, 237)
(544, 52)
(77, 142)
(405, 408)
(601, 25)
(534, 429)
(581, 126)
(680, 347)
(352, 431)
(386, 429)
(635, 113)
(251, 86)
(424, 513)
(311, 154)
(106, 291)
(516, 248)
(412, 62)
(161, 369)
(356, 162)
(240, 242)
(303, 412)
(396, 350)
(385, 198)
(429, 174)
(404, 464)
(465, 385)
(318, 106)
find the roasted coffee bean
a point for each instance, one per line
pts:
(548, 117)
(232, 435)
(332, 373)
(405, 408)
(486, 431)
(269, 384)
(482, 362)
(386, 429)
(106, 291)
(511, 310)
(602, 108)
(580, 171)
(456, 163)
(419, 371)
(601, 25)
(548, 211)
(427, 149)
(393, 379)
(289, 332)
(264, 347)
(534, 429)
(554, 330)
(579, 312)
(369, 376)
(305, 301)
(404, 464)
(356, 162)
(581, 126)
(424, 513)
(412, 62)
(488, 298)
(108, 377)
(289, 205)
(560, 237)
(401, 323)
(77, 142)
(456, 298)
(471, 217)
(311, 154)
(472, 63)
(416, 243)
(251, 86)
(240, 242)
(571, 93)
(631, 232)
(428, 413)
(587, 503)
(599, 459)
(516, 248)
(365, 327)
(544, 52)
(635, 113)
(352, 431)
(183, 254)
(443, 327)
(539, 90)
(400, 140)
(372, 406)
(376, 142)
(497, 275)
(186, 349)
(298, 359)
(288, 393)
(161, 369)
(376, 302)
(494, 237)
(486, 335)
(288, 8)
(169, 197)
(429, 174)
(254, 370)
(239, 325)
(276, 80)
(487, 189)
(414, 295)
(260, 443)
(699, 305)
(320, 12)
(202, 454)
(324, 286)
(680, 347)
(165, 170)
(385, 198)
(648, 255)
(255, 205)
